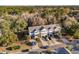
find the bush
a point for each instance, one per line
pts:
(13, 48)
(37, 39)
(76, 35)
(70, 47)
(16, 47)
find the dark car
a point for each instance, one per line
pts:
(47, 52)
(26, 50)
(31, 43)
(44, 47)
(9, 48)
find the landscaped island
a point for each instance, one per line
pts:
(39, 30)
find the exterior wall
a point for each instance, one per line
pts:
(44, 32)
(57, 29)
(36, 32)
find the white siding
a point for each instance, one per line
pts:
(57, 29)
(36, 32)
(44, 32)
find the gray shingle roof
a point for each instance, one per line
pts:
(45, 26)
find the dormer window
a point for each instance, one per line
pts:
(54, 28)
(34, 30)
(49, 28)
(41, 28)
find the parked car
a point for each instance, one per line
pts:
(9, 48)
(34, 52)
(77, 41)
(31, 43)
(44, 47)
(76, 47)
(47, 52)
(5, 52)
(26, 50)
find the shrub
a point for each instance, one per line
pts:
(70, 47)
(37, 39)
(16, 47)
(76, 35)
(13, 48)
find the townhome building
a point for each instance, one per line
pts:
(44, 30)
